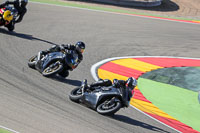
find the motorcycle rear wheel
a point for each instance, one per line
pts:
(51, 70)
(64, 73)
(102, 109)
(32, 61)
(75, 95)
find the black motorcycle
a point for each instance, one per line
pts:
(55, 62)
(105, 100)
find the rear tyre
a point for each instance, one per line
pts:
(52, 69)
(64, 74)
(32, 61)
(75, 95)
(106, 109)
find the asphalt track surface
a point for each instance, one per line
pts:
(31, 103)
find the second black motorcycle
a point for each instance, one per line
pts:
(106, 100)
(55, 63)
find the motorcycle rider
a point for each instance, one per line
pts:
(129, 84)
(79, 48)
(20, 6)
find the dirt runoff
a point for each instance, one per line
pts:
(189, 9)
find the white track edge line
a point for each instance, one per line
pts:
(150, 17)
(8, 129)
(154, 118)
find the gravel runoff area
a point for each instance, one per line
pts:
(189, 9)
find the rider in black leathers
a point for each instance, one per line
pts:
(20, 6)
(129, 84)
(79, 47)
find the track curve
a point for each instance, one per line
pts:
(32, 103)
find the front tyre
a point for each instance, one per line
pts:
(52, 69)
(32, 61)
(75, 95)
(11, 26)
(109, 109)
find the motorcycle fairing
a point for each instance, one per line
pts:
(93, 98)
(54, 56)
(2, 10)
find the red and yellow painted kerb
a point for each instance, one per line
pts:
(163, 18)
(127, 67)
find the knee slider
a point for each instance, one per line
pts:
(107, 82)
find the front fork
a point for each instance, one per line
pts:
(112, 101)
(39, 56)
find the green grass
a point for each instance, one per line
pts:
(4, 131)
(179, 103)
(65, 3)
(198, 67)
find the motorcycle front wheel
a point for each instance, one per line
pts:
(32, 61)
(10, 26)
(75, 95)
(108, 109)
(52, 69)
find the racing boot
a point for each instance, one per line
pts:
(41, 54)
(84, 86)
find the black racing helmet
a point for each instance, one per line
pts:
(131, 82)
(23, 3)
(80, 46)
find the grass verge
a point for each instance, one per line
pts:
(65, 3)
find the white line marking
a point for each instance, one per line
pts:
(124, 14)
(8, 129)
(95, 67)
(155, 119)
